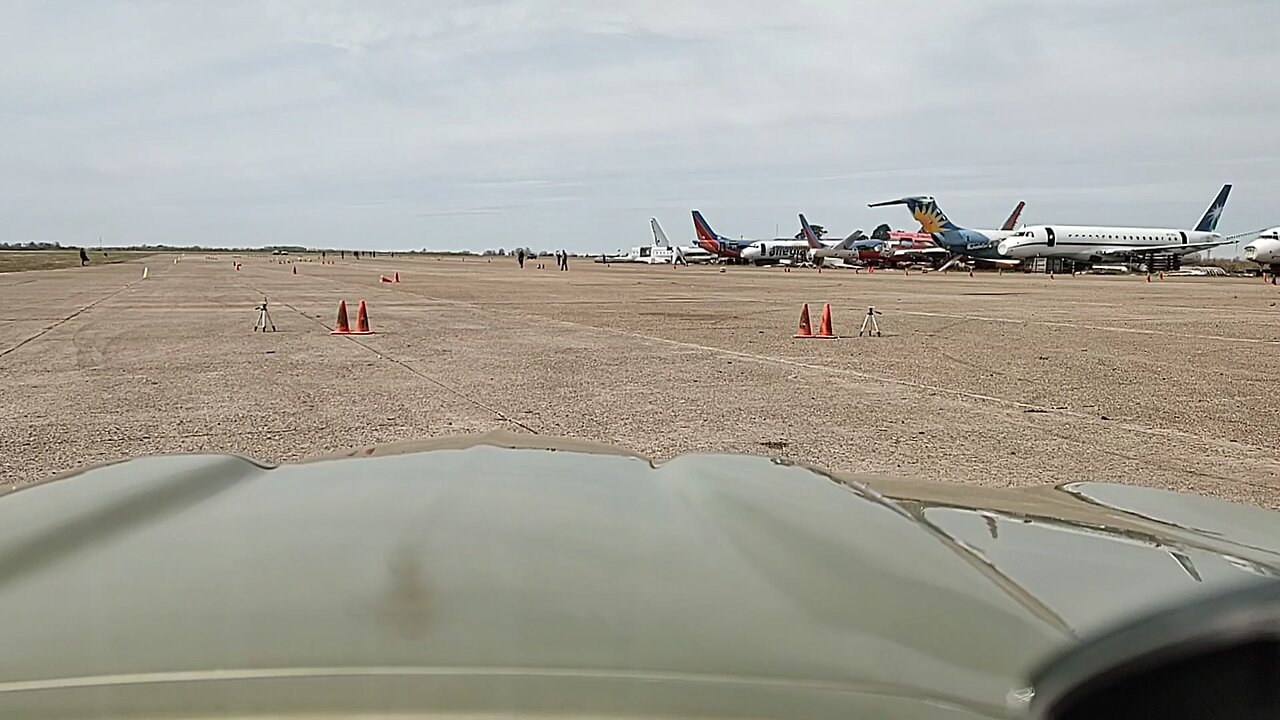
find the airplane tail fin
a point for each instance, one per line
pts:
(925, 211)
(809, 235)
(707, 237)
(1209, 221)
(659, 237)
(1012, 222)
(882, 232)
(854, 238)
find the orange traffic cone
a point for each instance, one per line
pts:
(1162, 275)
(342, 328)
(295, 269)
(397, 278)
(1050, 276)
(870, 269)
(806, 329)
(362, 321)
(384, 278)
(970, 272)
(824, 330)
(1148, 277)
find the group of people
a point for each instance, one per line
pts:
(562, 258)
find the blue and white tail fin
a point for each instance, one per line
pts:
(659, 237)
(925, 211)
(1209, 221)
(810, 236)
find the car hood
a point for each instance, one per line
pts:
(511, 574)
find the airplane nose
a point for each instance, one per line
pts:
(750, 253)
(1006, 247)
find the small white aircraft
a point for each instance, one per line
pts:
(661, 252)
(682, 254)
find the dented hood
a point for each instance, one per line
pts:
(526, 577)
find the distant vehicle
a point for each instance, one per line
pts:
(1265, 250)
(1097, 243)
(980, 245)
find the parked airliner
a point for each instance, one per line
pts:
(1095, 243)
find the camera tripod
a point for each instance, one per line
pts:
(869, 324)
(264, 318)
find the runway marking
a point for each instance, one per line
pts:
(78, 312)
(1081, 326)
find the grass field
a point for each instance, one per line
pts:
(23, 260)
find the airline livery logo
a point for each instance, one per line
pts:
(706, 241)
(706, 238)
(928, 216)
(1214, 213)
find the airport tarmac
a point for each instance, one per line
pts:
(995, 380)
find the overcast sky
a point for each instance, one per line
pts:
(473, 124)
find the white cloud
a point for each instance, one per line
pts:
(400, 124)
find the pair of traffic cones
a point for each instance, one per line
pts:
(805, 330)
(362, 321)
(385, 279)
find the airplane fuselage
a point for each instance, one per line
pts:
(1087, 243)
(768, 252)
(1265, 249)
(977, 244)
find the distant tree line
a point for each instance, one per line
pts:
(33, 245)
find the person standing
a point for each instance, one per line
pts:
(520, 256)
(564, 260)
(84, 259)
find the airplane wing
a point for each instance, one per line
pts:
(1171, 247)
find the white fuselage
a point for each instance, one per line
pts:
(648, 254)
(658, 255)
(1265, 249)
(1088, 242)
(776, 251)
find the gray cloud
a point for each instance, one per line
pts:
(470, 124)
